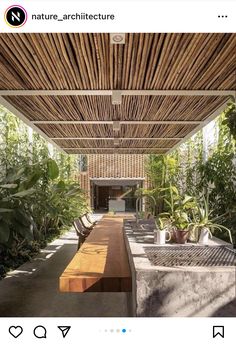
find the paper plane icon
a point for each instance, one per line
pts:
(64, 330)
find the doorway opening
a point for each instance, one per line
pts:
(118, 195)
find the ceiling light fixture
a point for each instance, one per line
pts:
(117, 38)
(116, 142)
(116, 98)
(116, 126)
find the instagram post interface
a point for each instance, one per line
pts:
(117, 178)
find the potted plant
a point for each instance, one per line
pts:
(181, 225)
(161, 231)
(205, 225)
(179, 209)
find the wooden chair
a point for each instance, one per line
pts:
(90, 220)
(81, 232)
(148, 224)
(86, 223)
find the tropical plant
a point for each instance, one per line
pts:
(230, 118)
(39, 195)
(201, 167)
(65, 201)
(161, 170)
(202, 218)
(162, 223)
(179, 208)
(31, 202)
(15, 217)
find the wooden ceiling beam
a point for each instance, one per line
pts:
(120, 92)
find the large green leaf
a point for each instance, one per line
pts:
(52, 169)
(31, 180)
(174, 189)
(187, 199)
(61, 185)
(74, 191)
(22, 217)
(8, 186)
(14, 175)
(4, 232)
(24, 231)
(4, 210)
(24, 193)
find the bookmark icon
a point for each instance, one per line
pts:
(64, 330)
(218, 331)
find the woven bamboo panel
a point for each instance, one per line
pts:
(147, 61)
(93, 108)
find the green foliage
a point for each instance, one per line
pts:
(53, 169)
(161, 170)
(203, 218)
(39, 197)
(196, 169)
(230, 118)
(179, 208)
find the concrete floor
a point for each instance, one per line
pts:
(32, 289)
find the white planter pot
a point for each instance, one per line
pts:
(160, 237)
(204, 236)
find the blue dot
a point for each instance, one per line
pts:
(123, 330)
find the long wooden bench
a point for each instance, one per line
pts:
(101, 264)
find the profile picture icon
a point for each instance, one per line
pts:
(15, 16)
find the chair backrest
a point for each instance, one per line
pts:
(79, 227)
(85, 222)
(150, 222)
(89, 218)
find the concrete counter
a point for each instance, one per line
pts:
(165, 291)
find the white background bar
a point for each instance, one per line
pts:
(130, 16)
(109, 330)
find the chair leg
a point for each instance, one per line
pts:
(81, 240)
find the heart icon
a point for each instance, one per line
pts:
(15, 331)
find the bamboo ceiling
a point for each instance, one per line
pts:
(90, 62)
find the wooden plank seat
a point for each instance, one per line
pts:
(101, 264)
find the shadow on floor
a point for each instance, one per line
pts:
(33, 289)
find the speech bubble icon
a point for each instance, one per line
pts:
(40, 332)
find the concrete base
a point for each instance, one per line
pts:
(32, 290)
(160, 291)
(185, 293)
